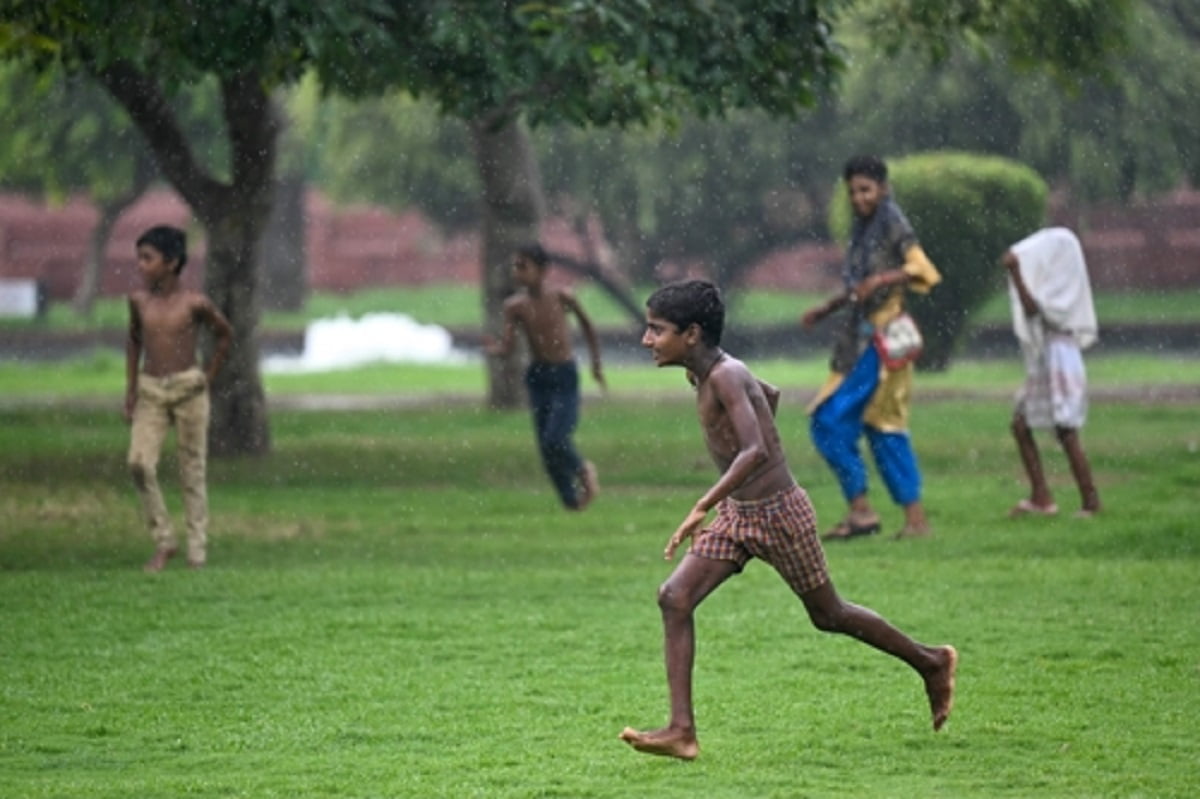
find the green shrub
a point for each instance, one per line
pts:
(967, 209)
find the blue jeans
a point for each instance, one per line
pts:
(554, 400)
(837, 424)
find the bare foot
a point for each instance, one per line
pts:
(1025, 507)
(196, 563)
(589, 482)
(668, 742)
(159, 560)
(921, 530)
(939, 686)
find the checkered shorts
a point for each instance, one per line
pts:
(781, 529)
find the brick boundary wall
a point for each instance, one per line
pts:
(1150, 245)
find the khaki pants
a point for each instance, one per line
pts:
(181, 400)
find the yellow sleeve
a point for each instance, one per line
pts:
(922, 274)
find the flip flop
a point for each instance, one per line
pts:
(1025, 507)
(847, 529)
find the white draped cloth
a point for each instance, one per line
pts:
(1053, 269)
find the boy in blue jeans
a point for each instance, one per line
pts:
(552, 378)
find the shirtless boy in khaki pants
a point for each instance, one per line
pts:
(170, 389)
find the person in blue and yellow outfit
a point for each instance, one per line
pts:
(869, 390)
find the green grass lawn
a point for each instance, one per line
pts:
(100, 377)
(395, 607)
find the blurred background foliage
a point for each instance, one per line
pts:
(725, 191)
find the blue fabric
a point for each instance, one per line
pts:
(554, 400)
(897, 464)
(837, 424)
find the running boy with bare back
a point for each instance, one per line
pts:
(164, 324)
(761, 512)
(552, 378)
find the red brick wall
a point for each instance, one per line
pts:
(811, 267)
(348, 248)
(50, 243)
(1151, 245)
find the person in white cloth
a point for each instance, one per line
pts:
(1054, 321)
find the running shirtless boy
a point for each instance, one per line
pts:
(552, 379)
(761, 512)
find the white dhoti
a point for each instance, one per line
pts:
(1055, 390)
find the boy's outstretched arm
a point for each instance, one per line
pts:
(772, 394)
(504, 345)
(223, 335)
(589, 335)
(816, 314)
(1011, 263)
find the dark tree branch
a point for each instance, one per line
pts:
(615, 287)
(154, 117)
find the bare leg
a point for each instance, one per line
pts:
(693, 580)
(589, 484)
(1082, 471)
(861, 512)
(1039, 491)
(936, 664)
(916, 523)
(159, 560)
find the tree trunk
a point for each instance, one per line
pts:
(285, 262)
(513, 203)
(93, 267)
(235, 223)
(110, 212)
(615, 284)
(239, 409)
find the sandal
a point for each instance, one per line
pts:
(848, 529)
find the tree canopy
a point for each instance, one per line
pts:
(582, 62)
(724, 191)
(595, 62)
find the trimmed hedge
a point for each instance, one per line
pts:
(967, 210)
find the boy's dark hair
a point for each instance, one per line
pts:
(170, 241)
(534, 252)
(688, 302)
(869, 166)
